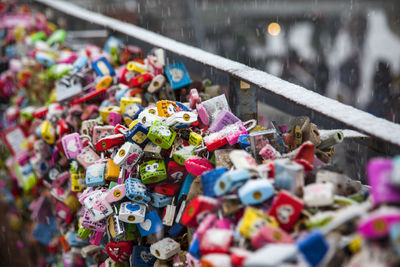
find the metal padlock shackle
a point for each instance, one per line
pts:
(253, 123)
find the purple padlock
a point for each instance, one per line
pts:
(223, 119)
(72, 145)
(379, 176)
(87, 222)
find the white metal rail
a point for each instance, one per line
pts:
(347, 115)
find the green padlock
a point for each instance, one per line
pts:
(153, 171)
(161, 135)
(84, 232)
(57, 37)
(182, 154)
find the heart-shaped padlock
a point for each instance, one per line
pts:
(119, 251)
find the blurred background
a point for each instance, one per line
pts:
(348, 50)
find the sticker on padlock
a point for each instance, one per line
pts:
(138, 135)
(161, 135)
(165, 248)
(131, 212)
(151, 224)
(128, 155)
(88, 222)
(130, 111)
(177, 75)
(136, 191)
(228, 181)
(87, 157)
(95, 175)
(176, 172)
(153, 171)
(255, 191)
(72, 145)
(169, 215)
(286, 209)
(141, 257)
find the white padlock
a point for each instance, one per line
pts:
(131, 212)
(165, 248)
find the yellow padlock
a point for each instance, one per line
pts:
(112, 171)
(105, 112)
(76, 185)
(166, 108)
(48, 132)
(195, 139)
(103, 83)
(136, 67)
(72, 202)
(252, 220)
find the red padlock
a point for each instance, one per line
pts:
(216, 241)
(270, 234)
(40, 112)
(286, 209)
(119, 251)
(196, 207)
(197, 165)
(239, 255)
(110, 141)
(140, 80)
(175, 172)
(167, 189)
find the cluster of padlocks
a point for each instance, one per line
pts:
(125, 161)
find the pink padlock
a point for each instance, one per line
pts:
(233, 132)
(203, 114)
(96, 238)
(377, 224)
(114, 118)
(87, 222)
(197, 165)
(270, 234)
(205, 224)
(224, 224)
(223, 119)
(72, 145)
(115, 194)
(192, 261)
(216, 241)
(194, 98)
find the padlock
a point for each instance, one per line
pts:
(176, 172)
(230, 204)
(128, 155)
(286, 209)
(269, 152)
(153, 171)
(166, 108)
(255, 191)
(138, 135)
(131, 212)
(379, 178)
(112, 171)
(159, 200)
(332, 139)
(252, 220)
(103, 67)
(114, 118)
(136, 191)
(98, 209)
(63, 212)
(377, 224)
(47, 132)
(67, 89)
(311, 133)
(96, 238)
(314, 247)
(105, 112)
(95, 175)
(110, 141)
(338, 180)
(209, 179)
(152, 150)
(318, 195)
(394, 233)
(197, 165)
(42, 149)
(130, 109)
(39, 165)
(148, 116)
(152, 224)
(161, 135)
(229, 181)
(141, 257)
(269, 234)
(192, 261)
(242, 160)
(223, 119)
(116, 193)
(100, 132)
(119, 251)
(239, 255)
(103, 83)
(177, 75)
(156, 84)
(87, 126)
(165, 248)
(64, 243)
(288, 175)
(84, 232)
(136, 67)
(194, 98)
(395, 177)
(196, 207)
(195, 139)
(207, 223)
(140, 80)
(182, 153)
(116, 227)
(167, 189)
(72, 145)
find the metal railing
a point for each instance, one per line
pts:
(383, 136)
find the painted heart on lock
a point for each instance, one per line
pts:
(146, 225)
(152, 168)
(119, 251)
(146, 256)
(176, 74)
(71, 146)
(133, 207)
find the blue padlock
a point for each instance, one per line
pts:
(132, 111)
(177, 75)
(255, 191)
(314, 247)
(138, 135)
(394, 233)
(75, 241)
(43, 233)
(80, 62)
(112, 41)
(186, 186)
(194, 248)
(159, 200)
(141, 257)
(182, 107)
(136, 191)
(230, 181)
(44, 59)
(103, 67)
(244, 142)
(95, 174)
(208, 180)
(152, 224)
(175, 229)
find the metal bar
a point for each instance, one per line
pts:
(291, 94)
